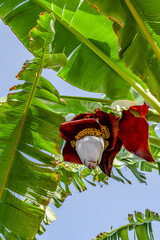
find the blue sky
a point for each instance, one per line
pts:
(83, 215)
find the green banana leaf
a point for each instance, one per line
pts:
(76, 105)
(34, 113)
(142, 228)
(136, 25)
(29, 134)
(94, 64)
(74, 37)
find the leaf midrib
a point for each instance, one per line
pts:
(143, 28)
(144, 93)
(24, 118)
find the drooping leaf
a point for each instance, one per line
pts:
(44, 95)
(29, 129)
(49, 216)
(135, 47)
(70, 33)
(137, 165)
(76, 105)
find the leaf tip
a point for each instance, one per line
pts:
(13, 88)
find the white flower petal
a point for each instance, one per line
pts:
(120, 104)
(90, 150)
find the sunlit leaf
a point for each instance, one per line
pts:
(29, 129)
(141, 227)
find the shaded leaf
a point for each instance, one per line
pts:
(66, 40)
(134, 47)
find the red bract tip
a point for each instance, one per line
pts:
(142, 109)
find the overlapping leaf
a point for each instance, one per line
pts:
(31, 115)
(136, 165)
(29, 129)
(142, 227)
(77, 25)
(134, 47)
(76, 105)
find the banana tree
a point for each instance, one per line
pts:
(77, 39)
